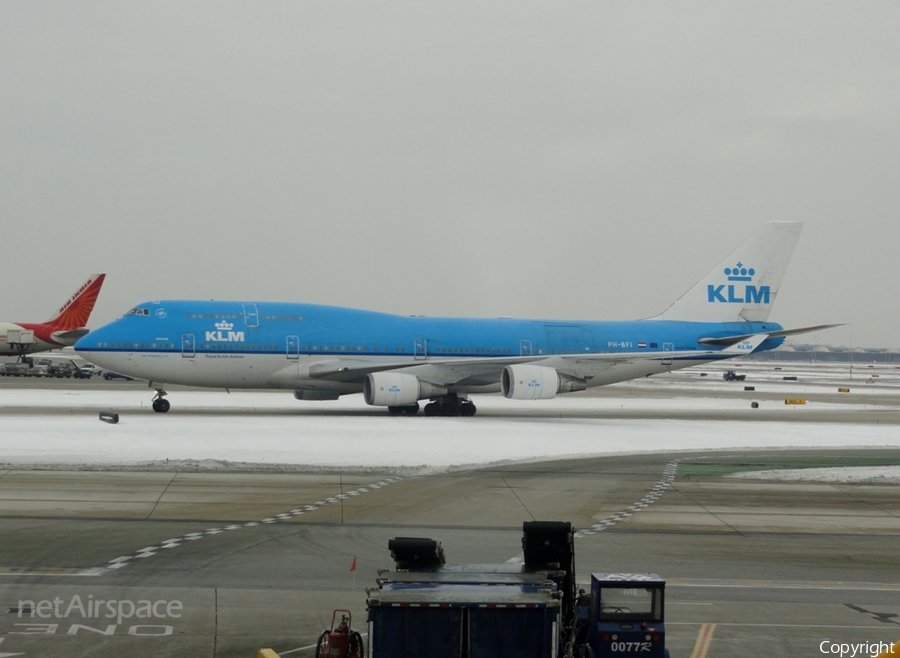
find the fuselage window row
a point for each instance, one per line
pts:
(473, 350)
(331, 348)
(310, 349)
(159, 346)
(223, 316)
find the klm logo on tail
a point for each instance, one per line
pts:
(734, 293)
(224, 334)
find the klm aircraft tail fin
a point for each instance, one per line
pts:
(743, 287)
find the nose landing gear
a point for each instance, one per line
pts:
(160, 404)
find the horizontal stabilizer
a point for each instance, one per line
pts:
(731, 340)
(746, 346)
(72, 334)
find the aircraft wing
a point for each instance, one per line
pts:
(437, 371)
(487, 370)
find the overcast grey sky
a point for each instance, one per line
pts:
(586, 160)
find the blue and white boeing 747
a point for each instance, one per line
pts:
(323, 352)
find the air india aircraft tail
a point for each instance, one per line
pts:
(62, 330)
(77, 309)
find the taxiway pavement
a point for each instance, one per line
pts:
(260, 558)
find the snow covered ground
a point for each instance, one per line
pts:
(838, 474)
(60, 428)
(878, 382)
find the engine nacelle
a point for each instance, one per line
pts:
(526, 382)
(529, 382)
(395, 389)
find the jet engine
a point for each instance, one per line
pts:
(395, 389)
(529, 382)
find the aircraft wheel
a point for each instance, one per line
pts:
(468, 408)
(161, 405)
(432, 409)
(411, 410)
(395, 410)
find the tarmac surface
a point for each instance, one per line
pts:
(234, 561)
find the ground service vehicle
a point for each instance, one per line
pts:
(340, 640)
(64, 369)
(26, 367)
(51, 369)
(18, 369)
(626, 616)
(732, 376)
(527, 610)
(86, 371)
(109, 374)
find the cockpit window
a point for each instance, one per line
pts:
(139, 311)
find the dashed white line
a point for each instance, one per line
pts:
(149, 551)
(655, 494)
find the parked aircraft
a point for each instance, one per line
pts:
(323, 352)
(63, 330)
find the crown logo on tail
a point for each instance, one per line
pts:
(739, 273)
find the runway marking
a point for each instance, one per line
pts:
(150, 551)
(655, 494)
(50, 571)
(6, 654)
(784, 584)
(309, 646)
(704, 637)
(769, 625)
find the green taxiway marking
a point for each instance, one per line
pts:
(718, 469)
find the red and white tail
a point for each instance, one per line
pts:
(77, 310)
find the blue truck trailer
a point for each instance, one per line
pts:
(527, 610)
(449, 621)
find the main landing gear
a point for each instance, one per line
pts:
(450, 405)
(160, 404)
(411, 410)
